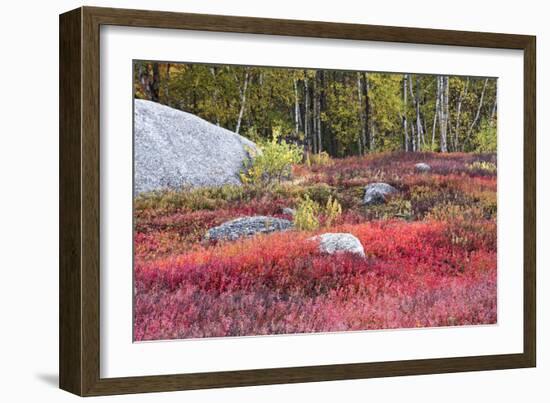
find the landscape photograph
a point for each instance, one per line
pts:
(272, 201)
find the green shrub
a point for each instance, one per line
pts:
(319, 192)
(306, 215)
(486, 138)
(395, 207)
(272, 164)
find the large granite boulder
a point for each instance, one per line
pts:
(422, 167)
(339, 242)
(173, 149)
(376, 193)
(247, 226)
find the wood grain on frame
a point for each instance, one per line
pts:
(79, 200)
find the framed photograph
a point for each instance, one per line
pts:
(249, 201)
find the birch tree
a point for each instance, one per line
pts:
(461, 97)
(419, 128)
(480, 105)
(243, 100)
(443, 112)
(404, 116)
(436, 111)
(363, 98)
(296, 109)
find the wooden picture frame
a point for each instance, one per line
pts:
(79, 348)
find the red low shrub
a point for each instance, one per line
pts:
(413, 276)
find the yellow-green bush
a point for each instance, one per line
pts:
(333, 210)
(454, 212)
(272, 164)
(320, 159)
(488, 202)
(483, 166)
(306, 215)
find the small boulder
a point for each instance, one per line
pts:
(422, 167)
(376, 193)
(247, 226)
(332, 243)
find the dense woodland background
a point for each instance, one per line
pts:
(339, 112)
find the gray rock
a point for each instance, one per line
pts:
(422, 167)
(376, 193)
(173, 149)
(289, 211)
(332, 243)
(247, 226)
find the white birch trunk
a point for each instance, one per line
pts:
(494, 109)
(307, 132)
(243, 102)
(463, 94)
(404, 118)
(362, 136)
(476, 118)
(419, 128)
(436, 112)
(296, 110)
(443, 112)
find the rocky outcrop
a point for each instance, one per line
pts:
(173, 149)
(247, 226)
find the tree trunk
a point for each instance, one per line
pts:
(476, 118)
(215, 94)
(363, 135)
(150, 85)
(307, 131)
(143, 75)
(155, 84)
(296, 110)
(444, 112)
(314, 116)
(317, 110)
(166, 89)
(436, 112)
(494, 109)
(413, 136)
(414, 146)
(243, 100)
(463, 94)
(404, 116)
(419, 128)
(368, 140)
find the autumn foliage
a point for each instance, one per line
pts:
(430, 253)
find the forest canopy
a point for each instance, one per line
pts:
(339, 112)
